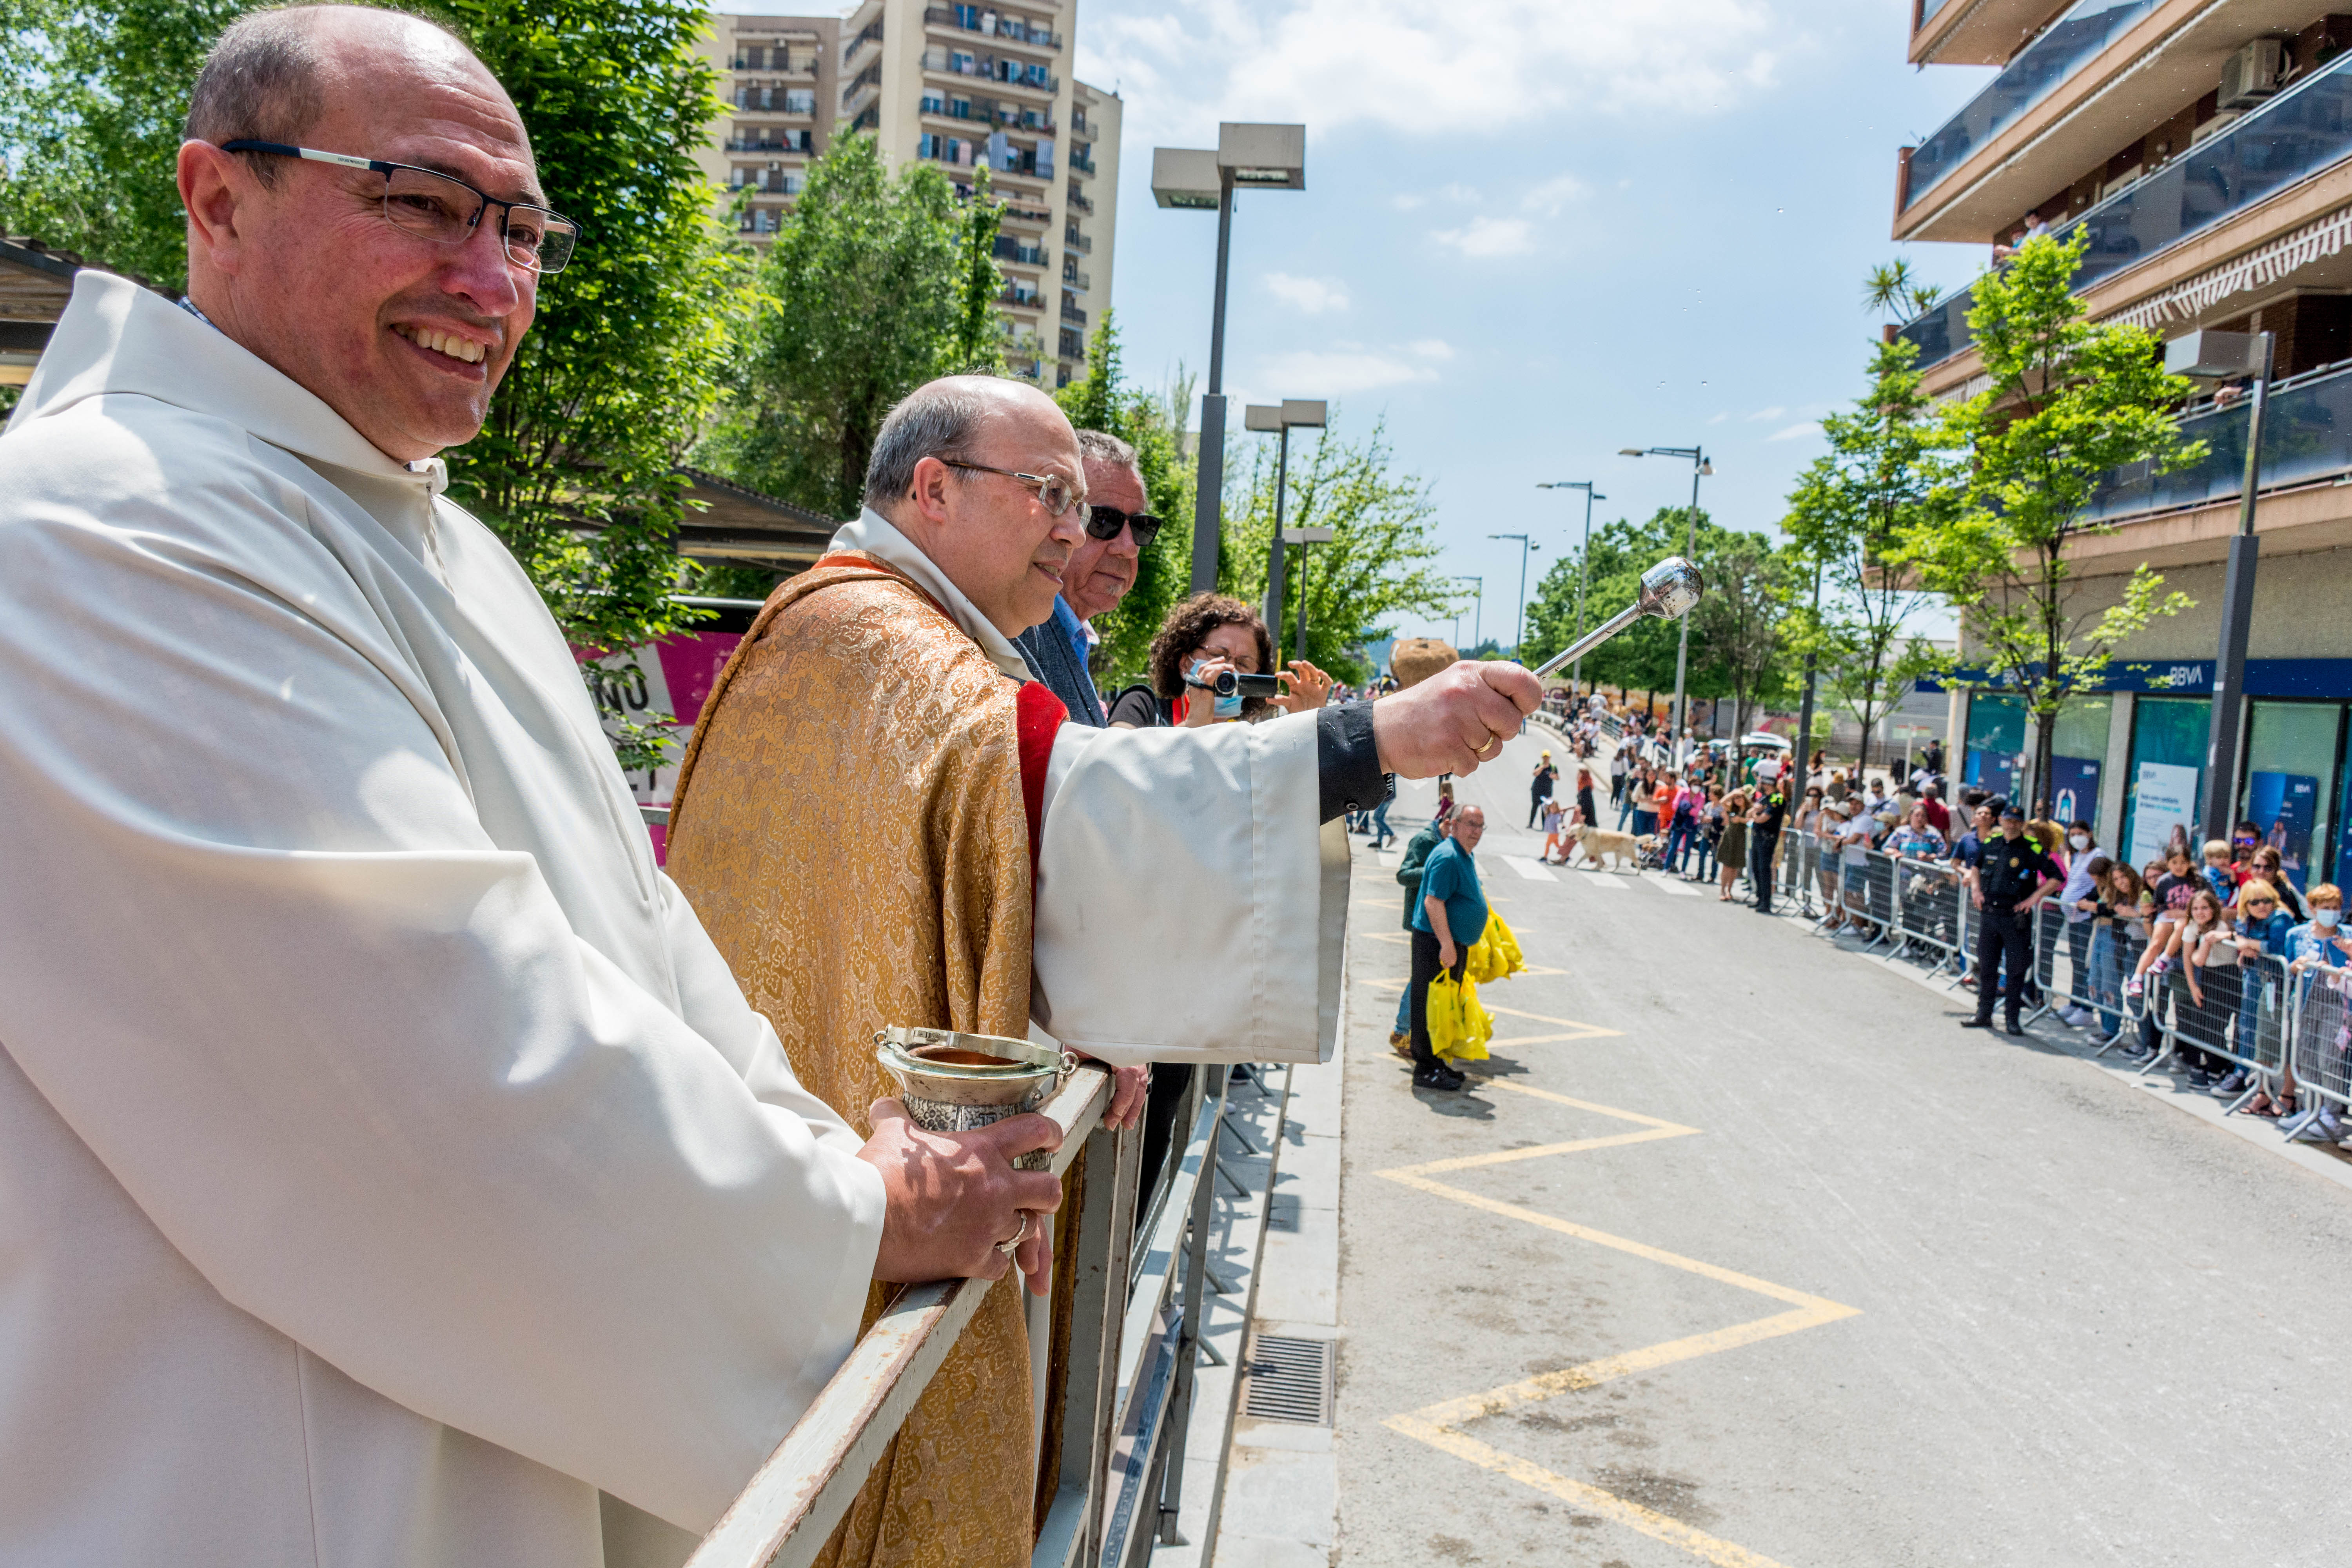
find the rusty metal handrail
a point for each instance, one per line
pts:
(784, 1517)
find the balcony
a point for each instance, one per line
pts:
(1009, 248)
(743, 63)
(1075, 241)
(1071, 312)
(2071, 42)
(1986, 33)
(1073, 345)
(2303, 132)
(1072, 278)
(1022, 297)
(1084, 163)
(1079, 201)
(788, 142)
(2306, 438)
(966, 18)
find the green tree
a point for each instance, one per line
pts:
(1881, 481)
(862, 299)
(2067, 403)
(1380, 561)
(1737, 629)
(92, 97)
(577, 467)
(1102, 399)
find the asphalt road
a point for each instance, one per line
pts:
(1785, 1268)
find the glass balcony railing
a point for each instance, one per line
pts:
(2033, 76)
(2299, 133)
(1929, 10)
(2307, 436)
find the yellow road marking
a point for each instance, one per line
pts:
(1574, 1379)
(1585, 1498)
(1440, 1425)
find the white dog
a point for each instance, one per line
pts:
(1592, 843)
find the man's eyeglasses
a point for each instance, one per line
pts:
(1105, 521)
(447, 210)
(1056, 493)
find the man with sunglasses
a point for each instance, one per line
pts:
(1100, 571)
(388, 1163)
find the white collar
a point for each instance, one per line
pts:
(873, 534)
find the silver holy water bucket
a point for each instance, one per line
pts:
(953, 1082)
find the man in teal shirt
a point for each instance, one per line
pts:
(1451, 915)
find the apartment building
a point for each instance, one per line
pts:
(958, 85)
(2205, 146)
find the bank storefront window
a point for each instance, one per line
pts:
(2287, 799)
(1996, 744)
(2167, 782)
(2078, 754)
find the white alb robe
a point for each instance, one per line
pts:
(387, 1160)
(1165, 855)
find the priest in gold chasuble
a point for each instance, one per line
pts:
(883, 820)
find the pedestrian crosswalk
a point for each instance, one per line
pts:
(1534, 871)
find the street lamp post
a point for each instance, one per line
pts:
(2215, 355)
(1583, 567)
(1260, 157)
(1700, 469)
(1302, 537)
(1477, 616)
(1521, 634)
(1270, 418)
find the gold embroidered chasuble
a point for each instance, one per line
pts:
(849, 825)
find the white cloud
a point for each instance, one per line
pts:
(1718, 418)
(1772, 413)
(1791, 431)
(1432, 348)
(1486, 236)
(1335, 373)
(1308, 296)
(1548, 199)
(1407, 204)
(1334, 63)
(1459, 193)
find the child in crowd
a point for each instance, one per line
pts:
(1555, 845)
(2219, 875)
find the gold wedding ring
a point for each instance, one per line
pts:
(1495, 741)
(1011, 1243)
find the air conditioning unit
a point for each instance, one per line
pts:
(2253, 73)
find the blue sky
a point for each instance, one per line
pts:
(1533, 233)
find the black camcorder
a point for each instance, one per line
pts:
(1227, 682)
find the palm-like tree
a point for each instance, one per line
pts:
(1892, 287)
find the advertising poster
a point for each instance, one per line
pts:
(2284, 806)
(2164, 797)
(670, 678)
(2073, 790)
(1994, 772)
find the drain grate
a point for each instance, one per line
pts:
(1290, 1380)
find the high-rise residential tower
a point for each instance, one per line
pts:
(959, 85)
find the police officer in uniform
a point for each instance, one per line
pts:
(2012, 876)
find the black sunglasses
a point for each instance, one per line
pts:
(1105, 521)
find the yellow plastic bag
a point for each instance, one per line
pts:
(1495, 954)
(1458, 1028)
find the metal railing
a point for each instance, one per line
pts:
(1137, 1293)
